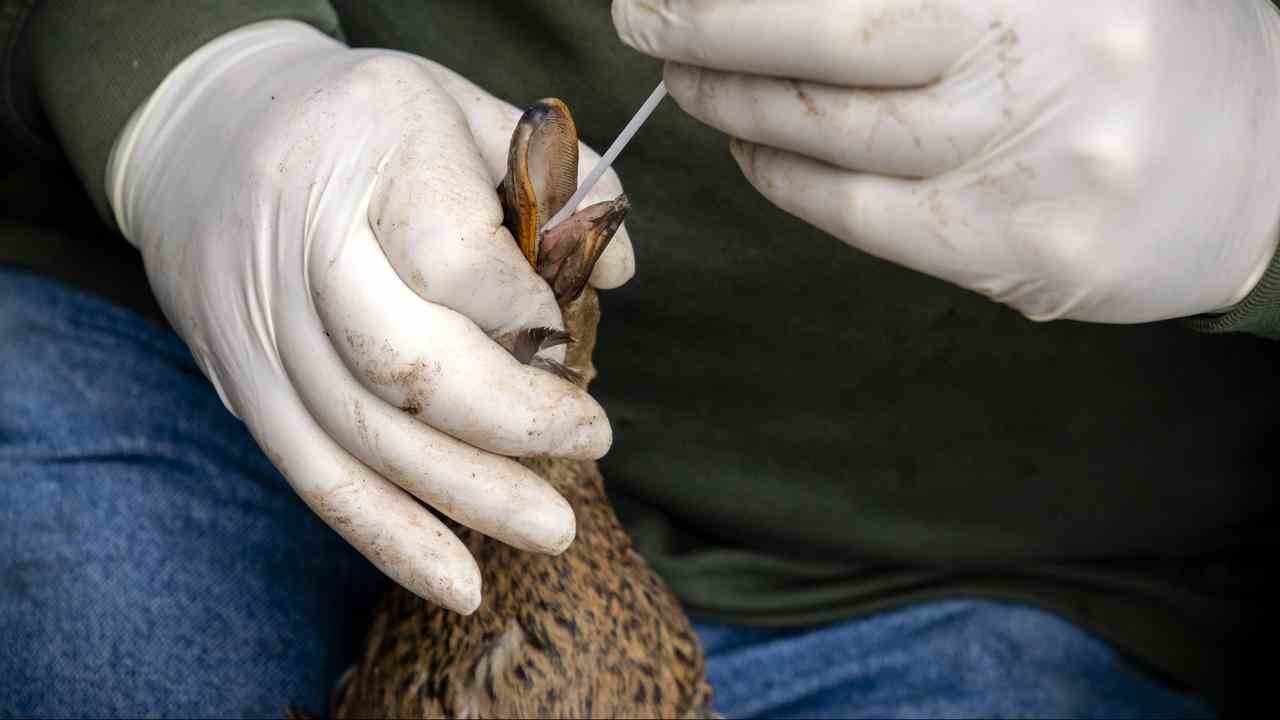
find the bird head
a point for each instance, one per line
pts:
(542, 174)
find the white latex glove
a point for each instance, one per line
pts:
(321, 226)
(1104, 160)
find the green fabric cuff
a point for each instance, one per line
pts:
(95, 61)
(1258, 313)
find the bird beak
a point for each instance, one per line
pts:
(542, 173)
(569, 251)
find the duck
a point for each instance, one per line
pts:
(593, 631)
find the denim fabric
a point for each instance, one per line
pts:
(962, 658)
(152, 562)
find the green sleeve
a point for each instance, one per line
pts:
(75, 70)
(1258, 313)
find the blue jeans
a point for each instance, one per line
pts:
(152, 562)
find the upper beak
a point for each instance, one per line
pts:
(542, 173)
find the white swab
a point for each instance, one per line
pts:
(610, 155)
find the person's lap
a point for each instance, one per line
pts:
(152, 562)
(960, 658)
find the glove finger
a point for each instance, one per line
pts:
(957, 227)
(907, 133)
(492, 121)
(875, 43)
(438, 366)
(891, 218)
(385, 524)
(489, 493)
(434, 210)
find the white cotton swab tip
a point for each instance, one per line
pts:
(609, 156)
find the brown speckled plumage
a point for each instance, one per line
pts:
(593, 632)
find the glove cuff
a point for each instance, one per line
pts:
(95, 62)
(1258, 313)
(138, 157)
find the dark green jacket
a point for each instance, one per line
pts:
(803, 433)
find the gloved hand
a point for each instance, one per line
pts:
(1104, 160)
(321, 225)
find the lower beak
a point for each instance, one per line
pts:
(571, 249)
